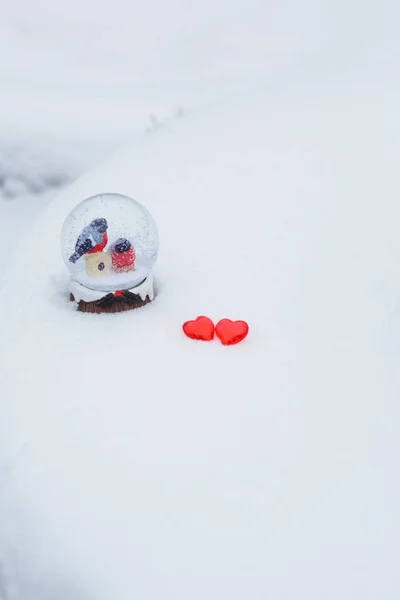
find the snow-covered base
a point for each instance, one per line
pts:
(80, 292)
(115, 281)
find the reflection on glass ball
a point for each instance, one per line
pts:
(109, 242)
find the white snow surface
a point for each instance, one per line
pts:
(88, 68)
(80, 77)
(137, 463)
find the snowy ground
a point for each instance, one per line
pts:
(80, 77)
(139, 464)
(83, 77)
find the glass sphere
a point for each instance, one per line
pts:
(109, 242)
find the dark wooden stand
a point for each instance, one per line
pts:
(112, 303)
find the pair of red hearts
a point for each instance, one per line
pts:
(229, 332)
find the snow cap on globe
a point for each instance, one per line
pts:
(109, 242)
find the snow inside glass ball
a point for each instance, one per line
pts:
(109, 242)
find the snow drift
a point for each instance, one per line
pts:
(140, 464)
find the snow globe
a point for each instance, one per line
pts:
(109, 243)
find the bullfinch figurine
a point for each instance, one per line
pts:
(92, 239)
(123, 256)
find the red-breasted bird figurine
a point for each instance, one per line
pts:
(123, 256)
(92, 239)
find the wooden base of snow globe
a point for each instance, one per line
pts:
(94, 301)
